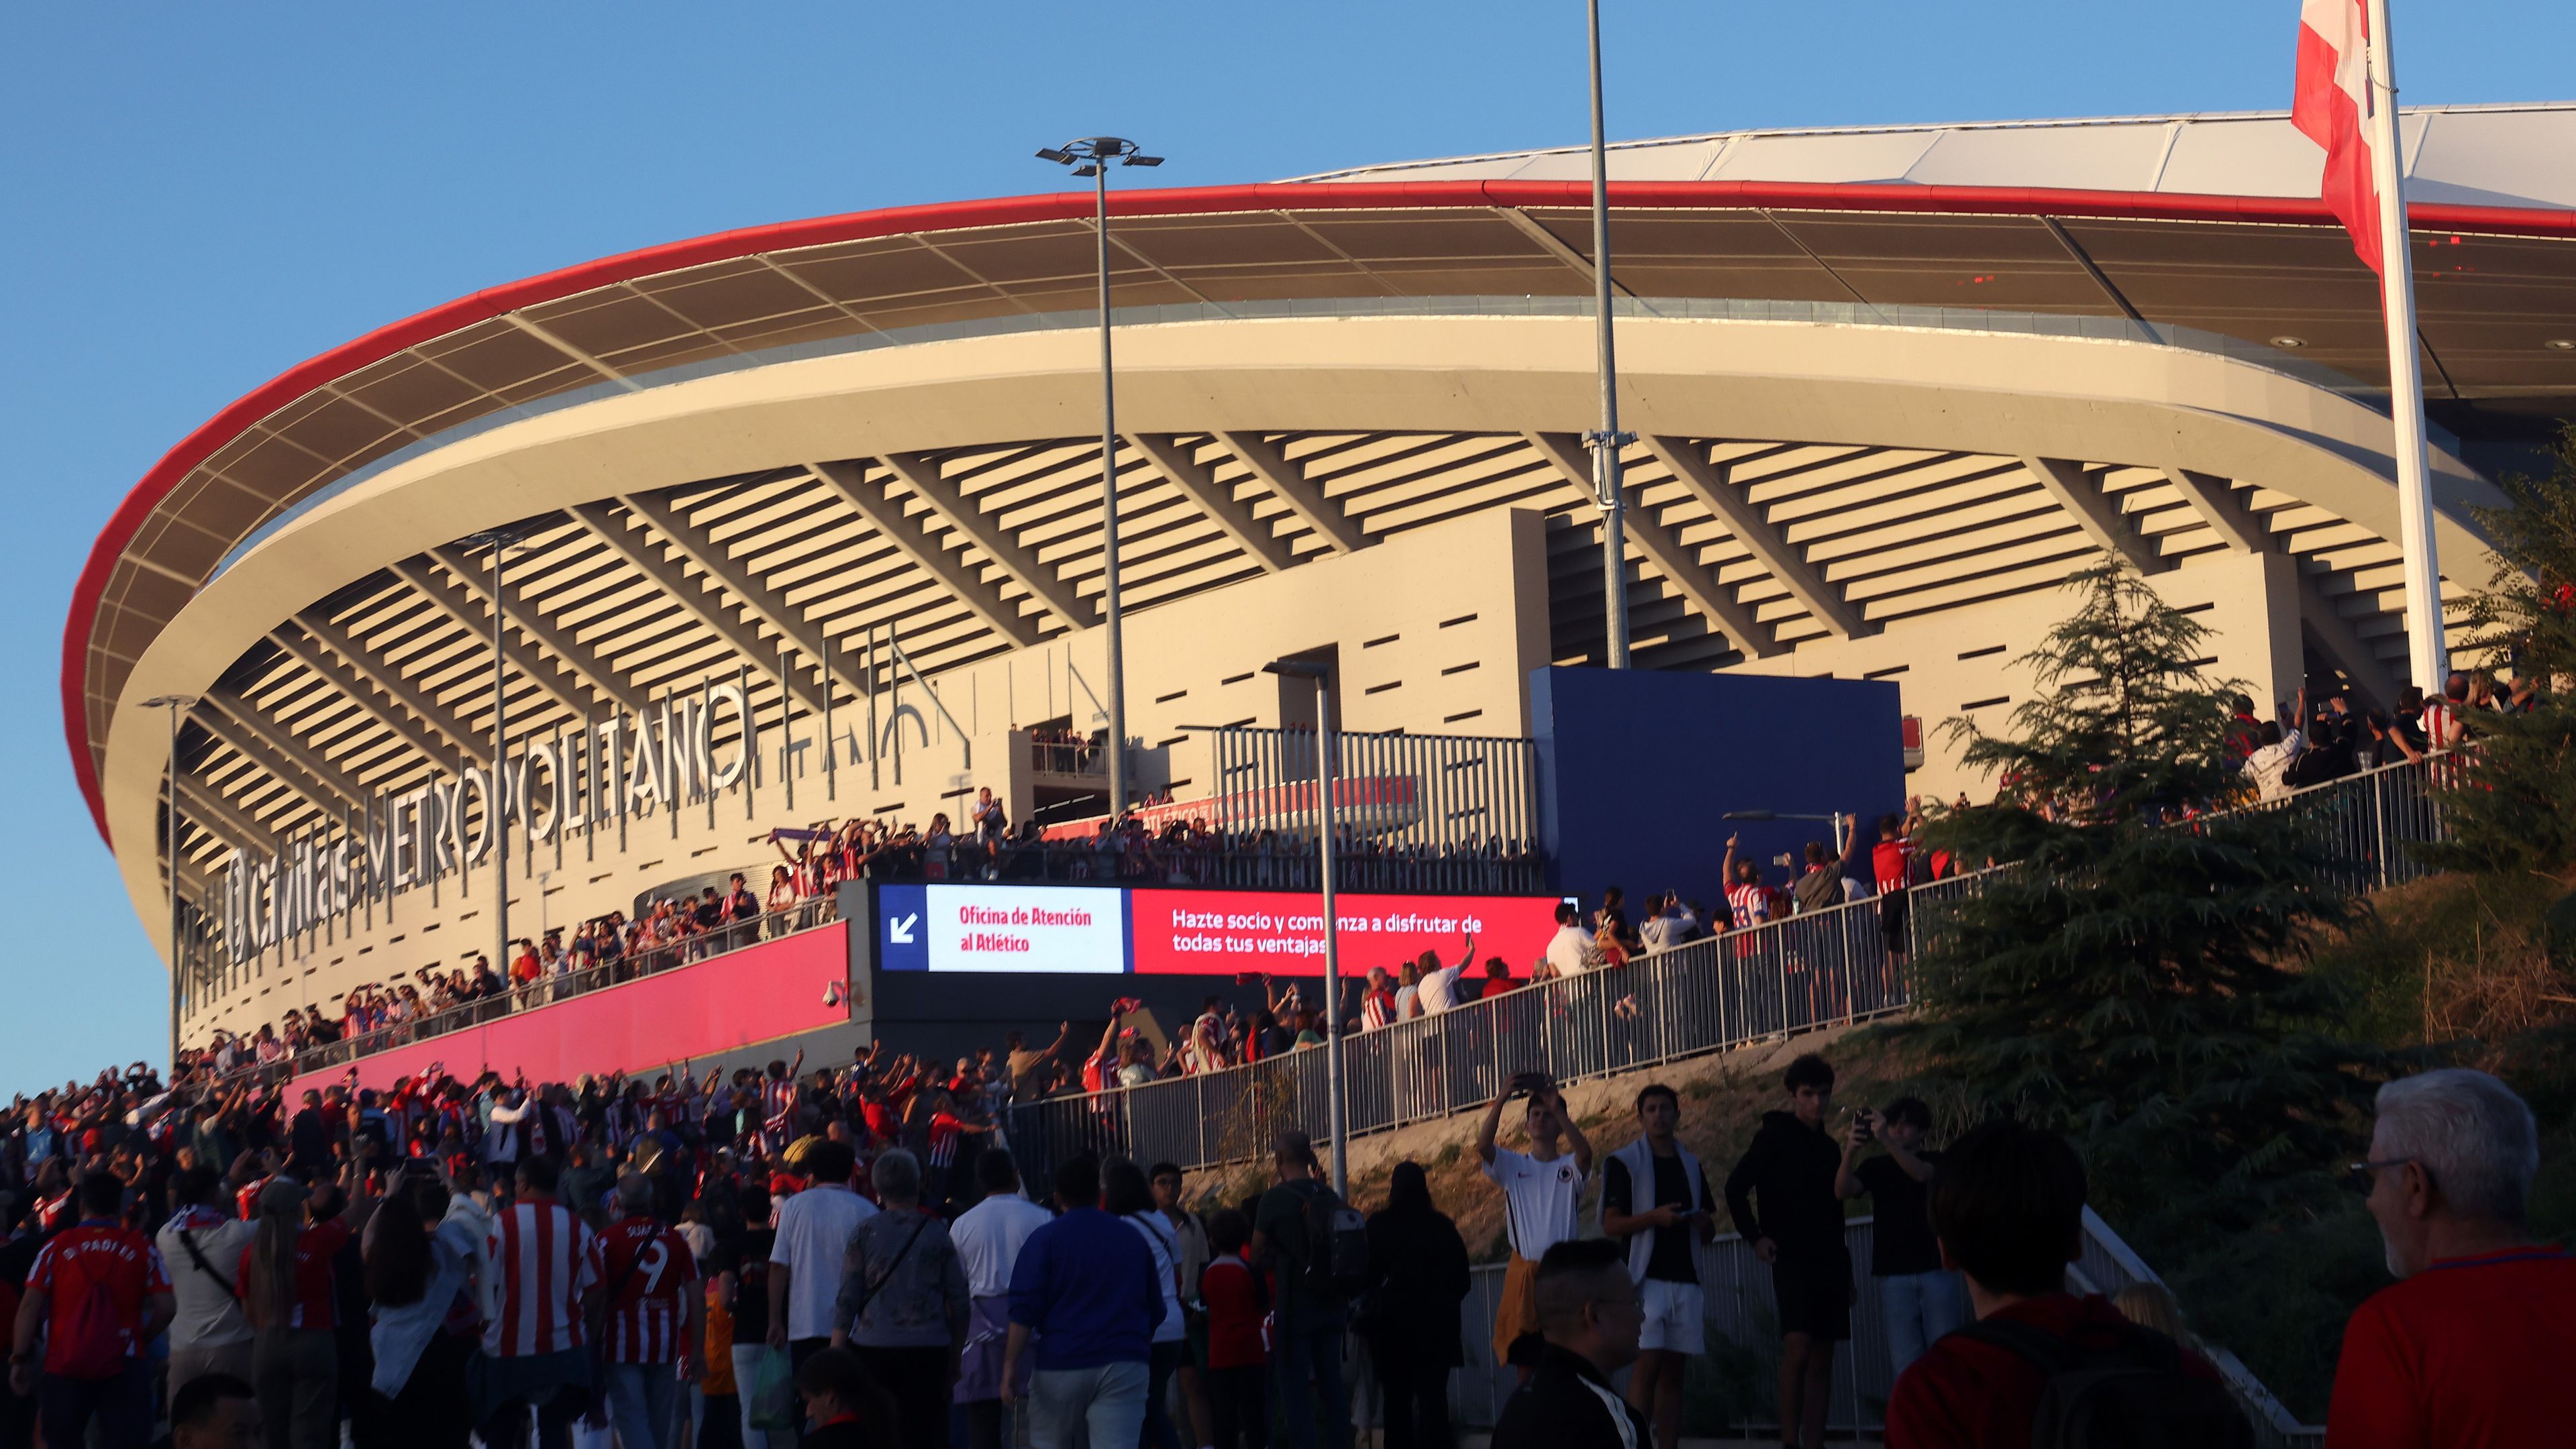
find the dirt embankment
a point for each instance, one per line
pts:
(1723, 1098)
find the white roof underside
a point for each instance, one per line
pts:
(2506, 155)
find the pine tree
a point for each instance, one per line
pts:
(2512, 803)
(2134, 979)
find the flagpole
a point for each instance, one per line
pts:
(2427, 652)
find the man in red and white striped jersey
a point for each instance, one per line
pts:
(548, 1268)
(655, 1317)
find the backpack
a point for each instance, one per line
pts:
(89, 1342)
(2130, 1393)
(1337, 1258)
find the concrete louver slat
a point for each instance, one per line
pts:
(469, 614)
(381, 690)
(987, 533)
(215, 812)
(584, 662)
(1675, 561)
(2335, 637)
(1179, 462)
(1743, 518)
(322, 785)
(638, 550)
(1291, 486)
(2214, 499)
(2095, 513)
(911, 538)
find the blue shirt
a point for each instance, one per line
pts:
(1085, 1284)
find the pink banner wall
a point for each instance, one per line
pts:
(756, 994)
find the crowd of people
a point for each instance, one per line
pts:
(2313, 741)
(801, 892)
(852, 1258)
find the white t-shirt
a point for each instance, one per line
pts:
(1540, 1199)
(1439, 990)
(1565, 950)
(988, 1238)
(2267, 766)
(814, 1230)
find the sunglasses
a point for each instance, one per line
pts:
(2362, 1177)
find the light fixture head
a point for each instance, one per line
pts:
(1059, 157)
(1144, 161)
(2561, 344)
(2290, 342)
(1087, 168)
(1297, 669)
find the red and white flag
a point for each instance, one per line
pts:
(2333, 108)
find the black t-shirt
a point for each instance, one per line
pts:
(1901, 1235)
(1669, 1260)
(746, 1256)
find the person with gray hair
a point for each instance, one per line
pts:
(2472, 1345)
(902, 1306)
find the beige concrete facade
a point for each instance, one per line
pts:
(1440, 624)
(1436, 615)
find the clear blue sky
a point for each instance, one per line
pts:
(195, 197)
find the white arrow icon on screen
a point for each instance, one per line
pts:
(899, 929)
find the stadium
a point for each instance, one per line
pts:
(805, 519)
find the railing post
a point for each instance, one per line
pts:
(2380, 843)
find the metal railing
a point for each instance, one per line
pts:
(1393, 793)
(2109, 1267)
(547, 990)
(2372, 817)
(1069, 757)
(1739, 1309)
(1823, 968)
(1817, 969)
(1262, 863)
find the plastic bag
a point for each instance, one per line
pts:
(771, 1394)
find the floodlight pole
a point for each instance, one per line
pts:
(1335, 1114)
(1606, 441)
(1092, 156)
(1116, 639)
(497, 825)
(1335, 1111)
(496, 818)
(173, 703)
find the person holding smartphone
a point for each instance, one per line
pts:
(1920, 1302)
(1655, 1198)
(1542, 1192)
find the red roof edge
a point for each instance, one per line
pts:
(385, 341)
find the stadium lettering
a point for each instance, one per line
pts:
(587, 782)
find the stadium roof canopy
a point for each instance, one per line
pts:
(2493, 156)
(2200, 233)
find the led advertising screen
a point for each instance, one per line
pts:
(1100, 930)
(1072, 931)
(1207, 933)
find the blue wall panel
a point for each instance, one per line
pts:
(1636, 766)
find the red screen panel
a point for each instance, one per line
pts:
(1219, 933)
(756, 994)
